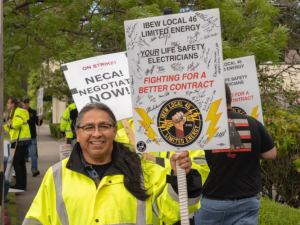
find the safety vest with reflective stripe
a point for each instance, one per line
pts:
(19, 128)
(197, 156)
(65, 121)
(163, 158)
(67, 197)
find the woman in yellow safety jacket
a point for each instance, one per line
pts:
(20, 139)
(104, 182)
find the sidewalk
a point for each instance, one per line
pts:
(48, 155)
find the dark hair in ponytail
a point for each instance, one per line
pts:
(17, 103)
(127, 161)
(130, 164)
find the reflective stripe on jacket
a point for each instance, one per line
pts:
(69, 196)
(65, 121)
(19, 125)
(163, 158)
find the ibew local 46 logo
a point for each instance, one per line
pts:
(179, 122)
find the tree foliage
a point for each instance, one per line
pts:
(40, 35)
(289, 16)
(55, 32)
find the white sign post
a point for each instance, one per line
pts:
(39, 109)
(241, 76)
(177, 85)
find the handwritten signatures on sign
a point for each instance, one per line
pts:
(130, 30)
(192, 66)
(210, 21)
(193, 39)
(177, 67)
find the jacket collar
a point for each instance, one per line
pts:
(75, 164)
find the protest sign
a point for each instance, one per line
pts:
(40, 102)
(101, 79)
(241, 76)
(177, 83)
(64, 151)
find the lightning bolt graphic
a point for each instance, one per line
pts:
(166, 125)
(193, 117)
(254, 112)
(214, 118)
(146, 124)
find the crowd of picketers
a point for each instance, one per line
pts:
(115, 185)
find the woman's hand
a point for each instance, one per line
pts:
(184, 161)
(8, 124)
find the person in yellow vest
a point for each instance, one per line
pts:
(163, 158)
(67, 122)
(20, 138)
(104, 182)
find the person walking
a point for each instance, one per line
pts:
(33, 121)
(20, 139)
(104, 182)
(67, 123)
(230, 193)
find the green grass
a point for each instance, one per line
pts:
(12, 208)
(272, 213)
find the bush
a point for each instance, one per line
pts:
(48, 115)
(55, 130)
(274, 213)
(281, 177)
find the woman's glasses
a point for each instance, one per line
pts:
(26, 101)
(90, 129)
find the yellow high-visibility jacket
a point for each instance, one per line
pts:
(19, 128)
(69, 196)
(65, 121)
(122, 135)
(162, 158)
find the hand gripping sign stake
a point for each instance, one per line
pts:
(182, 194)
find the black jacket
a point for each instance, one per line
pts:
(34, 120)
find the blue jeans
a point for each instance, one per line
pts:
(33, 154)
(27, 154)
(197, 216)
(6, 182)
(229, 212)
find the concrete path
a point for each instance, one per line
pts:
(48, 152)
